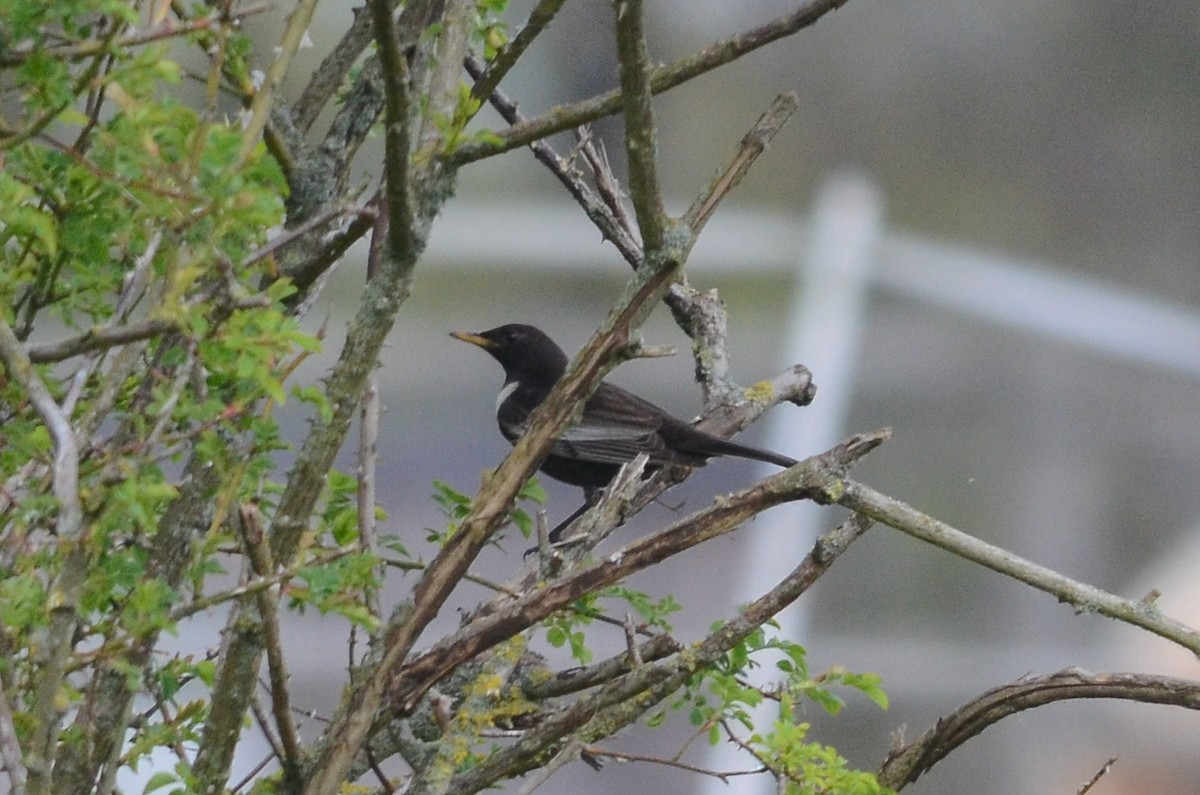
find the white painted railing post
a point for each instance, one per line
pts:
(825, 323)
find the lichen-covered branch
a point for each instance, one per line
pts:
(1083, 597)
(333, 69)
(641, 143)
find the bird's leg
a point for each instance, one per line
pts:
(590, 498)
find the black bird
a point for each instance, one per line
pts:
(615, 427)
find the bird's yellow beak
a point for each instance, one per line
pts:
(474, 339)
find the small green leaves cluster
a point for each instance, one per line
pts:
(565, 628)
(652, 612)
(489, 28)
(807, 768)
(489, 34)
(722, 699)
(455, 505)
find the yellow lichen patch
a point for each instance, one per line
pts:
(762, 392)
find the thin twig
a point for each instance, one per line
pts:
(607, 184)
(165, 30)
(754, 143)
(319, 220)
(567, 754)
(252, 774)
(264, 726)
(264, 98)
(622, 756)
(609, 224)
(1101, 773)
(251, 525)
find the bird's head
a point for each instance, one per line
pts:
(523, 351)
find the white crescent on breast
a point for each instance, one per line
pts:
(508, 389)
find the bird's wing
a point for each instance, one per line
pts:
(616, 426)
(601, 444)
(609, 444)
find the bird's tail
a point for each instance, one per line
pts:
(715, 445)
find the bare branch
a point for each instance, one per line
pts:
(1085, 598)
(368, 454)
(251, 524)
(905, 765)
(398, 130)
(98, 339)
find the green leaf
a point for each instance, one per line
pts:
(159, 780)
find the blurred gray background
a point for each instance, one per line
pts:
(1059, 137)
